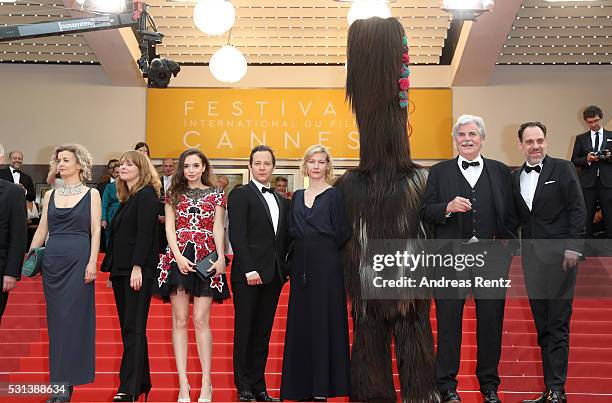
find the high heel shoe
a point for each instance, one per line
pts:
(185, 399)
(206, 400)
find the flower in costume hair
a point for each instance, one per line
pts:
(404, 81)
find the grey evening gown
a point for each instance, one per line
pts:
(71, 312)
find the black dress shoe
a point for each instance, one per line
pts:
(556, 396)
(451, 396)
(490, 396)
(265, 397)
(246, 396)
(541, 399)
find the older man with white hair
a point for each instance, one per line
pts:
(13, 235)
(468, 200)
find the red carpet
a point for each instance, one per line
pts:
(23, 347)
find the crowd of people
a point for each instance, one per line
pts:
(168, 235)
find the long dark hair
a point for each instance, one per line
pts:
(179, 182)
(374, 60)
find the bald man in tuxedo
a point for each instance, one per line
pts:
(13, 235)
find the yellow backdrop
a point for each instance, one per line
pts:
(227, 123)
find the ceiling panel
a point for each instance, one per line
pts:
(570, 32)
(52, 49)
(293, 31)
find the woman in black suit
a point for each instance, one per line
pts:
(134, 260)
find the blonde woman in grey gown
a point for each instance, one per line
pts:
(71, 219)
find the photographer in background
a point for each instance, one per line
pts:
(592, 152)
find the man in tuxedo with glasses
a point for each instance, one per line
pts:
(13, 235)
(592, 151)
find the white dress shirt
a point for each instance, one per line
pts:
(16, 175)
(271, 200)
(529, 182)
(167, 180)
(472, 173)
(274, 212)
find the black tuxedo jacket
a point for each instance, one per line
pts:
(134, 237)
(588, 173)
(24, 179)
(558, 210)
(13, 229)
(251, 233)
(444, 184)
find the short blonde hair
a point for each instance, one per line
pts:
(1, 151)
(318, 148)
(83, 158)
(148, 175)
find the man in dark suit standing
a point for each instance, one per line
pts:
(592, 151)
(467, 200)
(551, 212)
(14, 174)
(13, 235)
(257, 232)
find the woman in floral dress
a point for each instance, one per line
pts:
(194, 228)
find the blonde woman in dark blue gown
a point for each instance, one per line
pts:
(316, 362)
(71, 218)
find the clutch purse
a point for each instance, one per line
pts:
(33, 262)
(203, 265)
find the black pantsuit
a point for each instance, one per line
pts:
(133, 312)
(134, 242)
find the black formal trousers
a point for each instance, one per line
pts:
(591, 196)
(490, 303)
(551, 292)
(133, 311)
(254, 311)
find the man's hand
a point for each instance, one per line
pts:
(22, 187)
(8, 283)
(253, 278)
(458, 205)
(104, 224)
(161, 219)
(570, 260)
(591, 157)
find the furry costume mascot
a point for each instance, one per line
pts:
(383, 199)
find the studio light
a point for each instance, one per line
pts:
(467, 9)
(363, 9)
(228, 64)
(214, 17)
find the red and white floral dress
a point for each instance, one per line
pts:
(195, 217)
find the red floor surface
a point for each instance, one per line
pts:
(24, 346)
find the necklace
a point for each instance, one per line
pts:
(70, 190)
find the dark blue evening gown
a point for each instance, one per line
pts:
(316, 358)
(71, 311)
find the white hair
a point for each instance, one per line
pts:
(1, 151)
(465, 119)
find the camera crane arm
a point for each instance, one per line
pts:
(138, 18)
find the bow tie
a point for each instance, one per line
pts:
(466, 164)
(265, 189)
(536, 168)
(18, 171)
